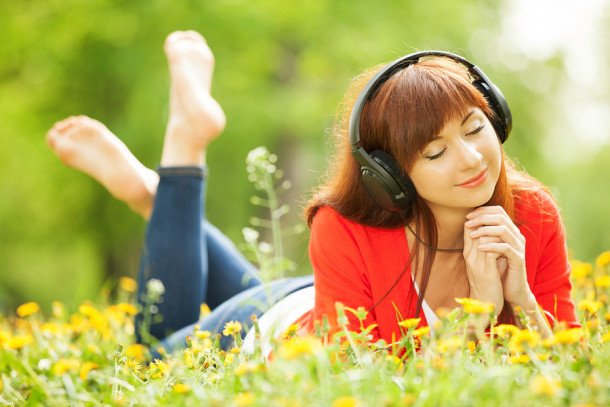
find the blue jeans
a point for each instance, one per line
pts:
(198, 264)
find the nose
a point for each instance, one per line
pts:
(469, 155)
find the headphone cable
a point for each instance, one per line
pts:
(438, 249)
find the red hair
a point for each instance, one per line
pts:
(407, 111)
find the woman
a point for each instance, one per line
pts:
(420, 187)
(439, 130)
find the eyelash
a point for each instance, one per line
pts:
(475, 131)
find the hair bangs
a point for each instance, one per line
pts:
(417, 103)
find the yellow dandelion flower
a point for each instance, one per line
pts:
(235, 350)
(605, 337)
(589, 306)
(471, 346)
(204, 310)
(86, 368)
(524, 339)
(232, 328)
(423, 331)
(136, 351)
(244, 368)
(568, 336)
(519, 359)
(128, 284)
(602, 281)
(541, 385)
(27, 309)
(133, 365)
(190, 358)
(345, 401)
(394, 359)
(4, 337)
(472, 306)
(544, 356)
(203, 334)
(607, 316)
(299, 346)
(63, 366)
(93, 348)
(592, 325)
(19, 341)
(157, 369)
(291, 331)
(229, 359)
(182, 388)
(89, 310)
(505, 330)
(407, 400)
(581, 270)
(244, 399)
(128, 309)
(439, 363)
(548, 342)
(449, 345)
(57, 309)
(603, 259)
(409, 323)
(51, 327)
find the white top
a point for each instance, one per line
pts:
(274, 322)
(431, 317)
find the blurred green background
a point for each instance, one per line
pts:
(281, 70)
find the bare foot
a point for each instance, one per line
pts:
(195, 117)
(87, 145)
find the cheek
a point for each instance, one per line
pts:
(430, 181)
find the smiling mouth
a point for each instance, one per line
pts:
(476, 180)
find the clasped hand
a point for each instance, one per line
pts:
(494, 251)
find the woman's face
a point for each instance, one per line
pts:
(459, 169)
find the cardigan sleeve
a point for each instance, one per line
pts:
(339, 270)
(552, 286)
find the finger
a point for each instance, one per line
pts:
(489, 239)
(491, 220)
(503, 249)
(482, 210)
(503, 232)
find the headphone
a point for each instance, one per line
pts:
(381, 175)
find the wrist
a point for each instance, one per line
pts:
(498, 302)
(528, 303)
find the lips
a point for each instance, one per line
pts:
(476, 180)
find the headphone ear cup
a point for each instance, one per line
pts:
(496, 100)
(387, 184)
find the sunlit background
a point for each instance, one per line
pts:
(282, 68)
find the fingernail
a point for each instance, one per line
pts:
(468, 224)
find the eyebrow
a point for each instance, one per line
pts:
(437, 137)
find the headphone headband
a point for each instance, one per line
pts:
(381, 176)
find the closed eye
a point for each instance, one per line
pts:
(477, 130)
(435, 156)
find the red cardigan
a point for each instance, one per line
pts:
(357, 265)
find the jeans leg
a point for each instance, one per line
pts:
(173, 252)
(195, 262)
(229, 272)
(253, 301)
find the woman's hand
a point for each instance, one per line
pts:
(503, 240)
(482, 271)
